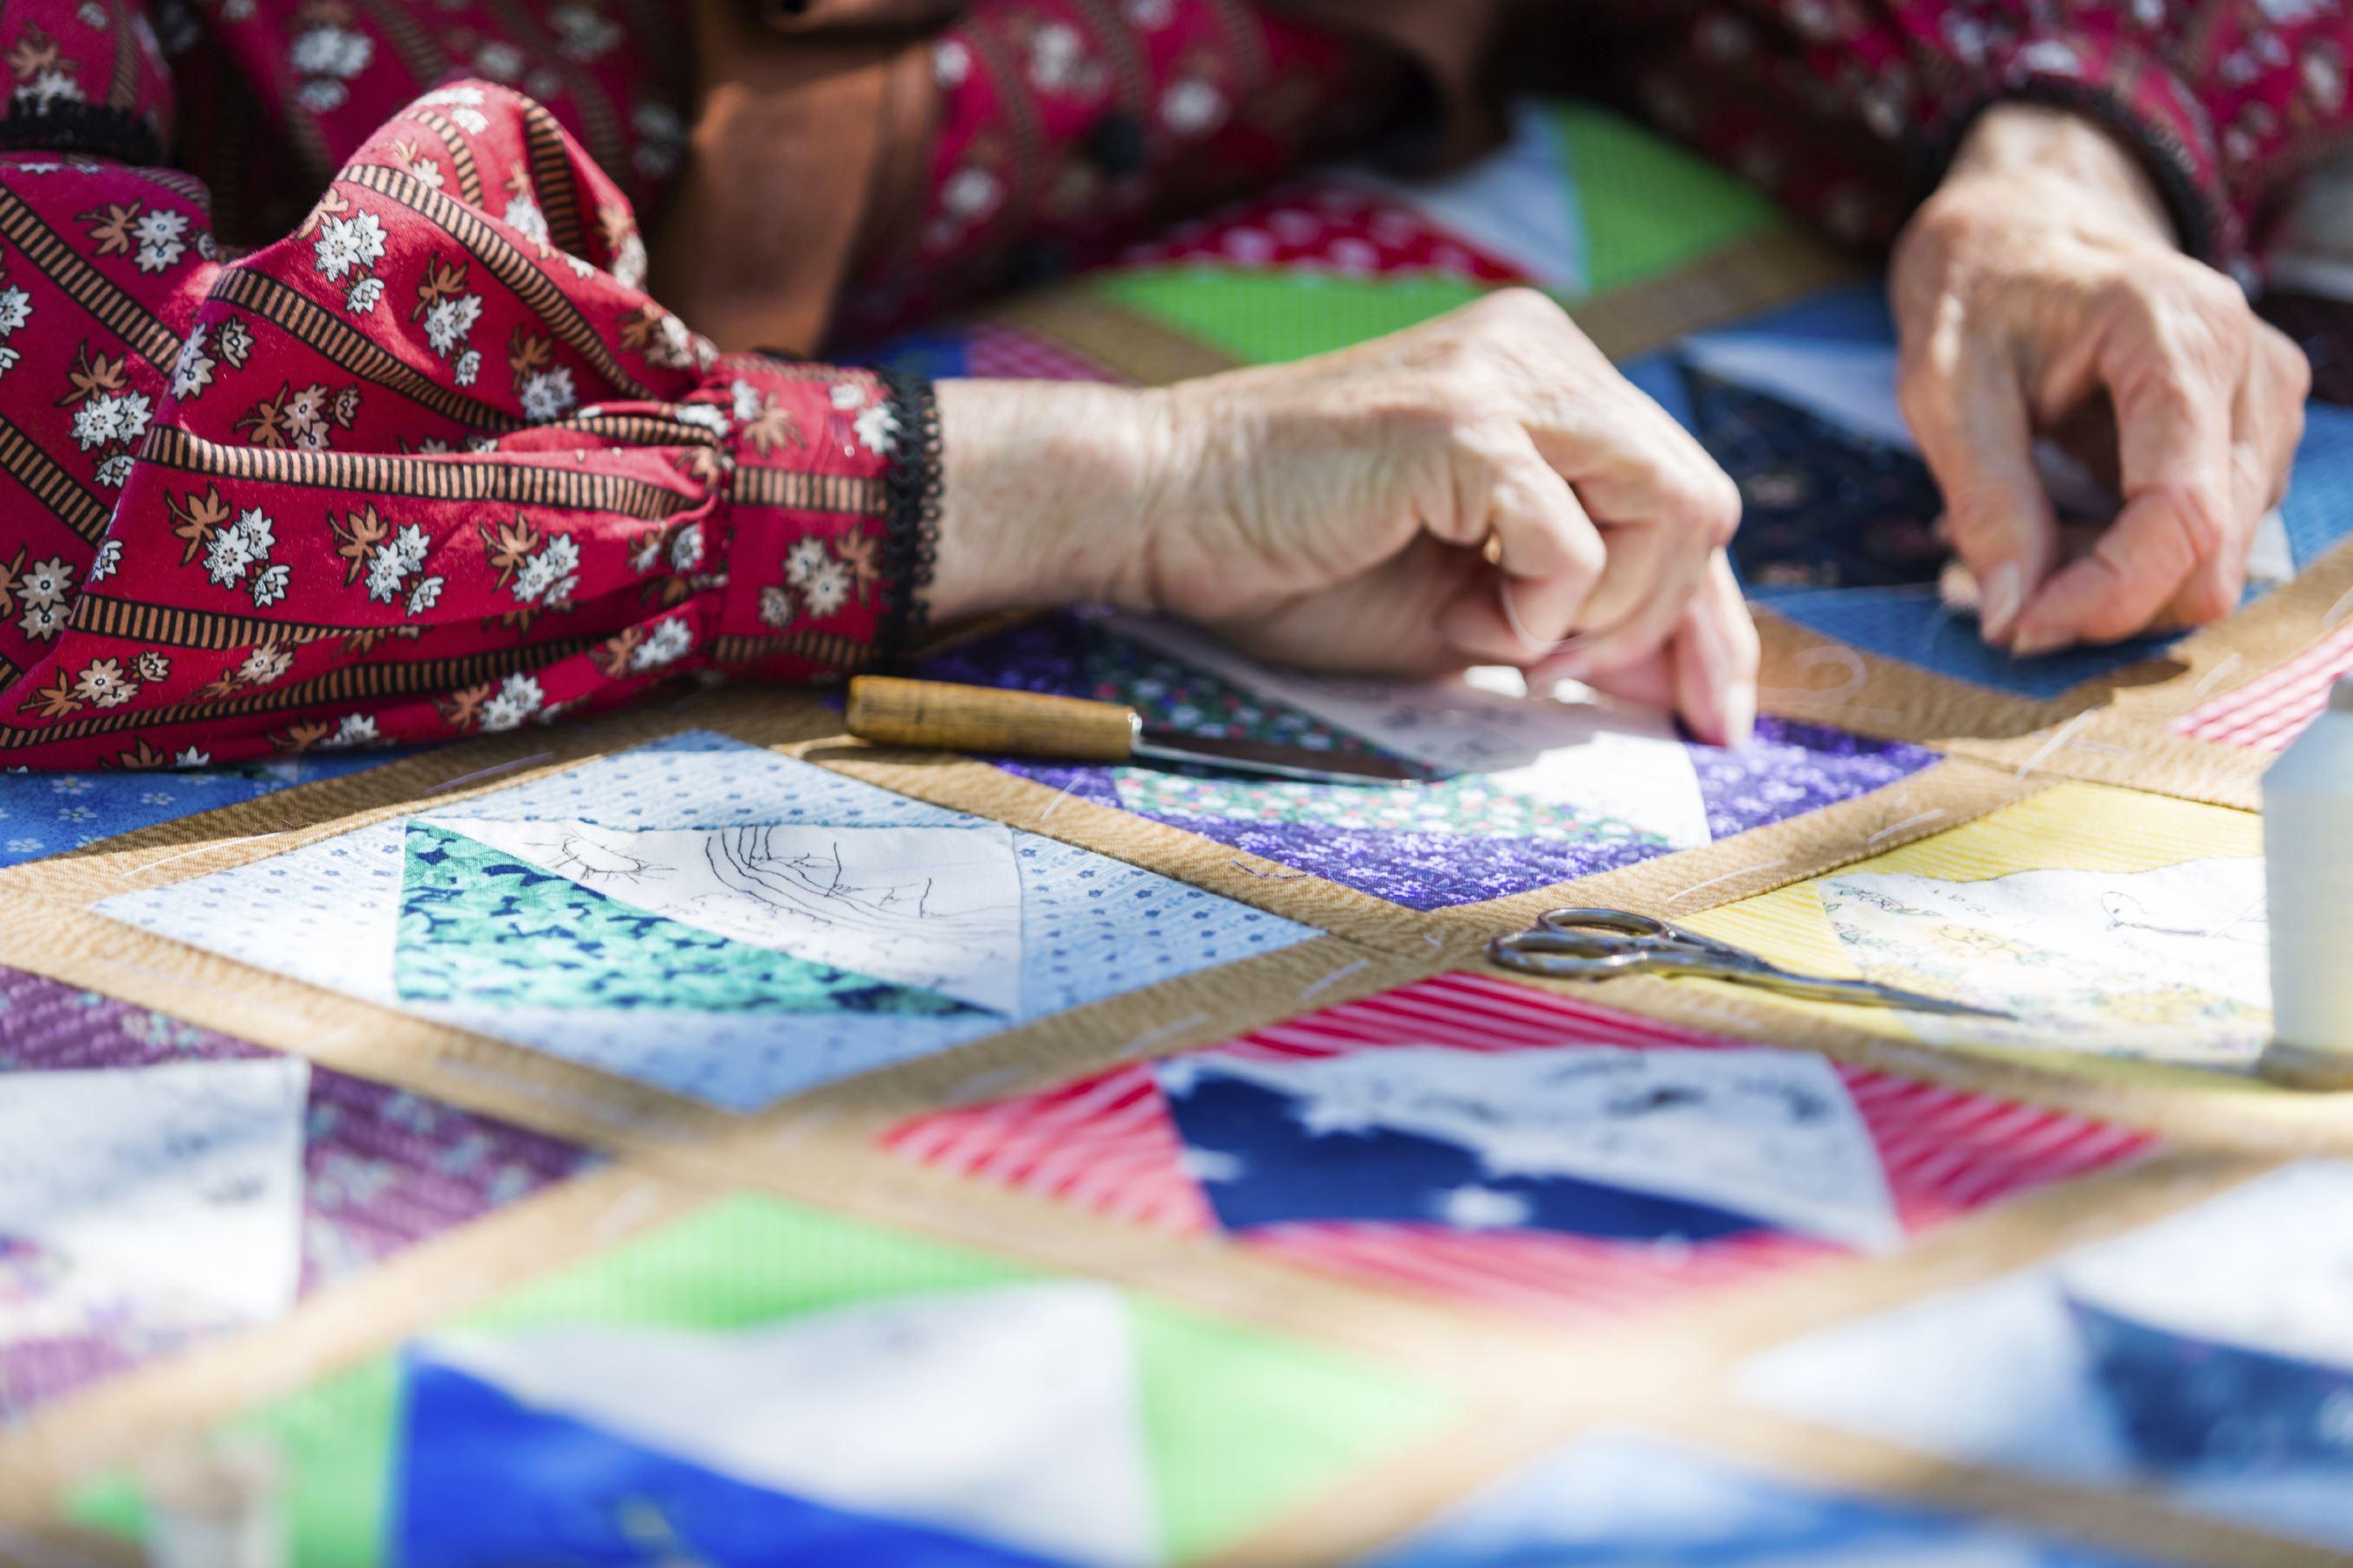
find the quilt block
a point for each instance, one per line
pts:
(759, 1383)
(1520, 793)
(2104, 923)
(162, 1184)
(1491, 1143)
(2207, 1357)
(709, 918)
(1798, 404)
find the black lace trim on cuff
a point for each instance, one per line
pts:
(98, 130)
(2159, 152)
(911, 527)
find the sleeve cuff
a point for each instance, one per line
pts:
(911, 526)
(2132, 95)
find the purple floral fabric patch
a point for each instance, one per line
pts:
(1788, 769)
(383, 1169)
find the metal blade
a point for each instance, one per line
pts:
(1274, 761)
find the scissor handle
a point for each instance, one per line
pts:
(1570, 955)
(1569, 922)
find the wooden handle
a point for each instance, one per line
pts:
(932, 714)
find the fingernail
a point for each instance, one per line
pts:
(1739, 715)
(2033, 640)
(1999, 594)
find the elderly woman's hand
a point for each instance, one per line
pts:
(1484, 489)
(2039, 292)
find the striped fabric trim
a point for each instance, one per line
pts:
(505, 480)
(551, 176)
(827, 649)
(1107, 1144)
(352, 683)
(113, 309)
(9, 672)
(2272, 709)
(636, 429)
(316, 327)
(461, 152)
(135, 622)
(504, 261)
(797, 491)
(50, 485)
(420, 52)
(600, 122)
(124, 85)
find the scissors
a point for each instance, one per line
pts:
(1595, 944)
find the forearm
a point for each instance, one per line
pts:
(1048, 491)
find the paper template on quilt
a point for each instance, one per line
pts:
(1771, 1134)
(934, 908)
(1011, 1414)
(180, 1183)
(1624, 765)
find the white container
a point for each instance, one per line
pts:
(2309, 871)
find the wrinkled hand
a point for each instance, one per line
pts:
(2039, 292)
(1484, 489)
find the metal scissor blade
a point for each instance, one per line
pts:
(1860, 993)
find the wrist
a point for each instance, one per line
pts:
(1050, 494)
(2067, 165)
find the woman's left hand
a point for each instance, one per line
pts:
(2040, 293)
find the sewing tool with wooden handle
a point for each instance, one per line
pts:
(932, 715)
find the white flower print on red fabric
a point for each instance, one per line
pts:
(517, 699)
(345, 243)
(667, 643)
(193, 371)
(160, 236)
(583, 32)
(352, 730)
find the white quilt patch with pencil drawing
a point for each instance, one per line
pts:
(2171, 963)
(936, 908)
(1766, 1133)
(1615, 764)
(177, 1187)
(1011, 1414)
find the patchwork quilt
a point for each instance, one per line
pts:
(695, 1136)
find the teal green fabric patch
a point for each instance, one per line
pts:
(482, 927)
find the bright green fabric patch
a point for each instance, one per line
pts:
(1646, 205)
(1262, 318)
(480, 926)
(1239, 1425)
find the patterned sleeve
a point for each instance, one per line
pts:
(430, 466)
(2224, 101)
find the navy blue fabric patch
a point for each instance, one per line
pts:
(1259, 1165)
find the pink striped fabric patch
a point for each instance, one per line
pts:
(1107, 1144)
(2273, 709)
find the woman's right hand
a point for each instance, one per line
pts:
(1483, 488)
